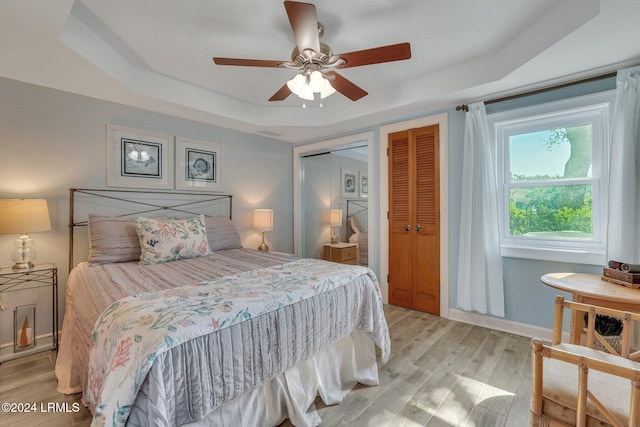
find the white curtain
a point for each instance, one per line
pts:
(480, 281)
(623, 239)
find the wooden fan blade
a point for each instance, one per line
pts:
(248, 62)
(346, 87)
(304, 23)
(377, 55)
(281, 94)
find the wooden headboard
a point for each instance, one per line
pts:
(135, 203)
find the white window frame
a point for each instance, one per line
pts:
(589, 109)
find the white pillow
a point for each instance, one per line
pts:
(163, 240)
(360, 222)
(355, 225)
(363, 220)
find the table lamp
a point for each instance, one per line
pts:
(335, 221)
(263, 221)
(21, 216)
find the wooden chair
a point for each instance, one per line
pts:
(578, 385)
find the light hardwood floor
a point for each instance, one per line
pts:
(441, 373)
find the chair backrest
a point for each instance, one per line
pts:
(579, 309)
(586, 361)
(585, 364)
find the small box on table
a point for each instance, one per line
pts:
(631, 280)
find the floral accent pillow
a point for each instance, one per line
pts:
(163, 240)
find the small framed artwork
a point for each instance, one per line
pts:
(138, 158)
(24, 328)
(364, 186)
(348, 183)
(198, 165)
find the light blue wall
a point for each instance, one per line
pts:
(52, 140)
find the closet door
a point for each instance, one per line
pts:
(414, 219)
(400, 186)
(426, 240)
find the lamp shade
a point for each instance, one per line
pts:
(263, 219)
(24, 216)
(336, 217)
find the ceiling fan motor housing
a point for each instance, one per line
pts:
(322, 58)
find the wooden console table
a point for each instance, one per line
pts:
(591, 289)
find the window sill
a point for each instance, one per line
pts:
(576, 256)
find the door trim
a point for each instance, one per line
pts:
(383, 185)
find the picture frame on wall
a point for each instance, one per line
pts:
(138, 158)
(199, 165)
(348, 183)
(364, 186)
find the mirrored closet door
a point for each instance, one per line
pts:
(335, 189)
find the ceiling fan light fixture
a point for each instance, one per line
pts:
(327, 90)
(316, 81)
(299, 86)
(305, 87)
(307, 93)
(296, 84)
(320, 84)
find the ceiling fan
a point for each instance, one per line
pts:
(314, 59)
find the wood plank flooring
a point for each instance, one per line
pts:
(441, 373)
(32, 379)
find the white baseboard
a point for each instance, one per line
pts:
(43, 343)
(509, 326)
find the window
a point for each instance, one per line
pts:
(552, 179)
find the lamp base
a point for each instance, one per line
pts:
(334, 239)
(22, 266)
(263, 246)
(23, 254)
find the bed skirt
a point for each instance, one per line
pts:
(330, 374)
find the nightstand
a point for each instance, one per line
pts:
(40, 276)
(344, 253)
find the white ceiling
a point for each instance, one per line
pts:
(157, 54)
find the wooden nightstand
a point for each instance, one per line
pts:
(344, 253)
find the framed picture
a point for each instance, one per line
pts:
(138, 158)
(198, 165)
(364, 186)
(348, 183)
(24, 324)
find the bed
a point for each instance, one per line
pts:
(231, 336)
(358, 228)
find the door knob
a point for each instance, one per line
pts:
(407, 228)
(418, 228)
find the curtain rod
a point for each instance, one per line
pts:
(465, 107)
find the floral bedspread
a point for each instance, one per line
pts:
(131, 333)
